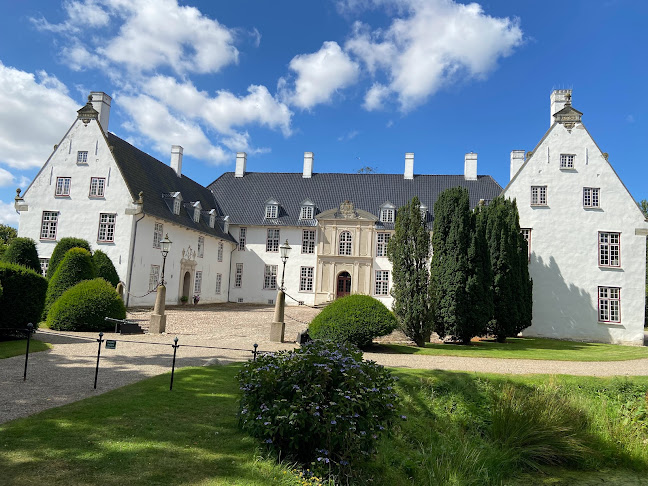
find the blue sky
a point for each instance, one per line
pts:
(357, 82)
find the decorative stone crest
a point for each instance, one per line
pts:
(188, 255)
(347, 211)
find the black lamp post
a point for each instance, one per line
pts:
(284, 250)
(165, 244)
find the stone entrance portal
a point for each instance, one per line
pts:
(343, 285)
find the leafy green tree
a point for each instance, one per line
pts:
(75, 267)
(22, 251)
(105, 268)
(7, 234)
(23, 296)
(408, 251)
(512, 286)
(61, 249)
(458, 271)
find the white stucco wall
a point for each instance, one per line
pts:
(564, 241)
(79, 213)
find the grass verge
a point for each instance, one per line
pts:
(9, 349)
(461, 429)
(527, 348)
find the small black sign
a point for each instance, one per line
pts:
(111, 344)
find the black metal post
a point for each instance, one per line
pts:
(30, 329)
(283, 273)
(175, 347)
(100, 340)
(255, 350)
(163, 265)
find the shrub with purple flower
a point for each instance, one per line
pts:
(320, 405)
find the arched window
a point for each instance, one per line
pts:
(345, 243)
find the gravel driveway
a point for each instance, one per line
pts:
(66, 373)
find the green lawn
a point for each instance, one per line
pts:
(527, 348)
(16, 348)
(143, 434)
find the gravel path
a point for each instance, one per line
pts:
(66, 373)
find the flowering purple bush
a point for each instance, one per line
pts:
(320, 405)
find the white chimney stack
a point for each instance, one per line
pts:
(241, 162)
(308, 165)
(176, 159)
(101, 103)
(558, 99)
(470, 167)
(517, 159)
(409, 166)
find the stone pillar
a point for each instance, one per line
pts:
(278, 325)
(157, 323)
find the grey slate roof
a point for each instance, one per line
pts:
(154, 178)
(243, 198)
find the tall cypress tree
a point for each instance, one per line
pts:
(408, 251)
(480, 277)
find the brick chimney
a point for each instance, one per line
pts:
(101, 103)
(558, 99)
(470, 167)
(409, 166)
(517, 159)
(176, 159)
(308, 165)
(241, 162)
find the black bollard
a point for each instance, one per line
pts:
(30, 329)
(100, 340)
(255, 351)
(175, 349)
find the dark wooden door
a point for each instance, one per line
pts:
(343, 284)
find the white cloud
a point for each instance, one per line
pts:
(6, 178)
(429, 45)
(35, 113)
(348, 136)
(630, 118)
(375, 97)
(320, 75)
(8, 214)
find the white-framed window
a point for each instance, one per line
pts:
(97, 186)
(271, 211)
(272, 240)
(212, 220)
(196, 217)
(609, 249)
(154, 277)
(306, 279)
(382, 241)
(308, 241)
(609, 304)
(526, 234)
(198, 282)
(242, 235)
(63, 186)
(238, 276)
(48, 225)
(382, 282)
(201, 247)
(423, 210)
(345, 243)
(591, 197)
(538, 195)
(567, 161)
(82, 157)
(157, 234)
(306, 212)
(270, 277)
(176, 206)
(106, 227)
(44, 264)
(219, 253)
(219, 282)
(387, 215)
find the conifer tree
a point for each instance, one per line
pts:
(480, 278)
(22, 251)
(408, 251)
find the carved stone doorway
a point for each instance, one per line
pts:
(186, 285)
(343, 285)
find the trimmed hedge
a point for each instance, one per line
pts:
(61, 249)
(84, 307)
(23, 296)
(355, 319)
(22, 251)
(75, 267)
(105, 268)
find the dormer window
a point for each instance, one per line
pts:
(387, 213)
(423, 209)
(196, 216)
(307, 209)
(271, 209)
(176, 206)
(212, 218)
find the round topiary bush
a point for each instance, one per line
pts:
(105, 268)
(22, 251)
(61, 249)
(320, 405)
(355, 319)
(84, 307)
(75, 267)
(23, 296)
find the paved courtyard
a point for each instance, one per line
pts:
(209, 335)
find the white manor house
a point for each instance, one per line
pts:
(586, 234)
